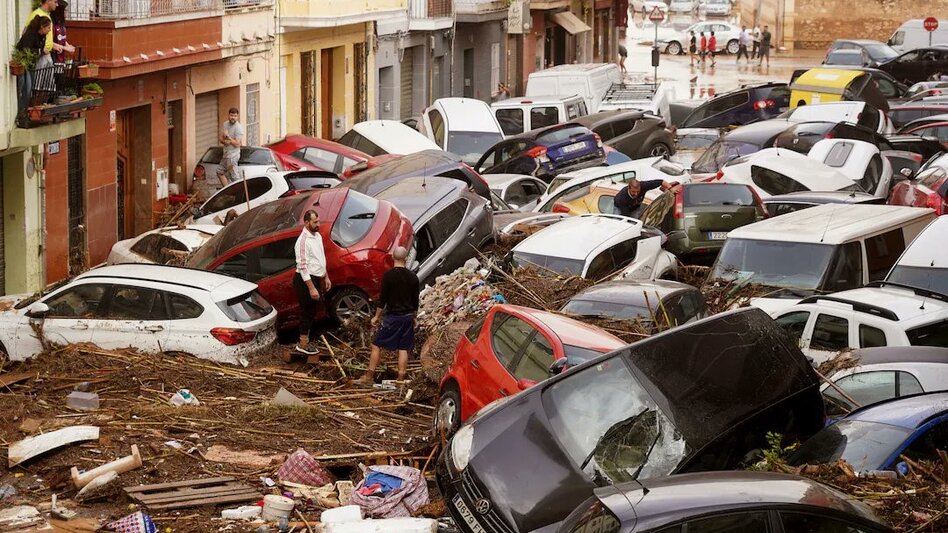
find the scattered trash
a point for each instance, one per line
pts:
(223, 454)
(277, 507)
(32, 446)
(192, 493)
(345, 490)
(287, 398)
(21, 517)
(348, 513)
(82, 401)
(99, 487)
(7, 491)
(118, 466)
(137, 522)
(184, 397)
(244, 512)
(174, 444)
(82, 387)
(301, 467)
(459, 295)
(393, 491)
(60, 513)
(30, 426)
(268, 481)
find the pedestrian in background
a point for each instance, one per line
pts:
(765, 45)
(704, 47)
(623, 54)
(692, 47)
(743, 39)
(231, 138)
(396, 311)
(755, 37)
(311, 281)
(712, 47)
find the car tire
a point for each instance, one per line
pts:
(447, 416)
(673, 48)
(733, 46)
(348, 303)
(659, 150)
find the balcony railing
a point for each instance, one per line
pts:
(423, 9)
(53, 94)
(145, 9)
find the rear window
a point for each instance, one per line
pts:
(774, 183)
(246, 307)
(248, 156)
(931, 335)
(562, 134)
(695, 142)
(838, 155)
(705, 194)
(559, 265)
(354, 139)
(355, 219)
(511, 120)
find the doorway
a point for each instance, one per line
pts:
(176, 145)
(308, 93)
(469, 73)
(325, 83)
(76, 190)
(133, 176)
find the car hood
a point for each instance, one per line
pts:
(743, 365)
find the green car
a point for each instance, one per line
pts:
(697, 217)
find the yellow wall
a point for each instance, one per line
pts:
(337, 8)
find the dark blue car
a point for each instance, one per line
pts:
(544, 152)
(874, 437)
(741, 106)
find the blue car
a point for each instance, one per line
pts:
(544, 152)
(874, 437)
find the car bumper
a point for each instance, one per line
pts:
(461, 494)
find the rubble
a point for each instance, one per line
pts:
(461, 295)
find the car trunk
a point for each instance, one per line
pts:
(719, 218)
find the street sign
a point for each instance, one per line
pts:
(930, 24)
(657, 15)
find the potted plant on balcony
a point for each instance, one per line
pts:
(92, 90)
(90, 70)
(22, 61)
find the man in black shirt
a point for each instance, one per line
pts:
(628, 202)
(396, 309)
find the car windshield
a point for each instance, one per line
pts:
(499, 203)
(929, 278)
(609, 426)
(864, 445)
(713, 194)
(560, 265)
(617, 310)
(880, 51)
(792, 265)
(355, 219)
(721, 152)
(471, 145)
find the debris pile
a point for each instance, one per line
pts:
(461, 295)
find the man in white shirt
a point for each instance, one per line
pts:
(755, 36)
(311, 281)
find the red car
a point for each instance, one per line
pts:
(928, 189)
(358, 231)
(509, 350)
(320, 154)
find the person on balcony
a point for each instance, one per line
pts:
(33, 39)
(59, 33)
(45, 10)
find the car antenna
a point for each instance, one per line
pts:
(828, 220)
(925, 296)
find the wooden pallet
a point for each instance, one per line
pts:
(192, 493)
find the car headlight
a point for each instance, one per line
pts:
(461, 447)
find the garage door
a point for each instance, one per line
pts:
(207, 122)
(408, 64)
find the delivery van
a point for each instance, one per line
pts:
(589, 80)
(912, 34)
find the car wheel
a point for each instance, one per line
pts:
(733, 46)
(674, 48)
(659, 150)
(447, 418)
(348, 303)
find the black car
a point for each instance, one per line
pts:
(759, 502)
(634, 133)
(544, 152)
(782, 204)
(741, 141)
(927, 147)
(651, 302)
(846, 57)
(424, 163)
(665, 405)
(917, 65)
(741, 106)
(875, 51)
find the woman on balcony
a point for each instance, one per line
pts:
(33, 39)
(59, 33)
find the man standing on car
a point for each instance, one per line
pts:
(628, 201)
(396, 309)
(311, 281)
(231, 137)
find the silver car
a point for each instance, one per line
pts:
(254, 161)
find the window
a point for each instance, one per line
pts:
(732, 523)
(532, 189)
(705, 194)
(888, 89)
(276, 257)
(226, 198)
(605, 132)
(136, 303)
(870, 337)
(845, 271)
(508, 336)
(81, 301)
(183, 307)
(235, 266)
(573, 111)
(544, 116)
(830, 333)
(246, 307)
(773, 182)
(869, 118)
(808, 523)
(437, 126)
(448, 220)
(925, 447)
(606, 204)
(323, 159)
(511, 120)
(355, 219)
(794, 323)
(515, 194)
(612, 259)
(870, 179)
(882, 251)
(621, 127)
(157, 248)
(257, 187)
(534, 363)
(252, 112)
(930, 335)
(354, 139)
(716, 106)
(474, 331)
(838, 154)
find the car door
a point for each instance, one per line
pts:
(831, 333)
(506, 339)
(796, 323)
(867, 388)
(450, 246)
(533, 189)
(133, 316)
(73, 312)
(271, 265)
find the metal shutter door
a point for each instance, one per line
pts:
(206, 122)
(408, 65)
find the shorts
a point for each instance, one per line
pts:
(397, 332)
(228, 167)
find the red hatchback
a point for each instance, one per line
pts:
(928, 189)
(509, 350)
(320, 153)
(358, 231)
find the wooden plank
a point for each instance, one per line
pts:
(32, 446)
(184, 495)
(9, 379)
(175, 484)
(208, 501)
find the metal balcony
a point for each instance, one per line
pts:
(430, 14)
(145, 10)
(56, 95)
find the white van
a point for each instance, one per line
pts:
(827, 248)
(463, 126)
(380, 137)
(925, 262)
(520, 115)
(912, 34)
(589, 80)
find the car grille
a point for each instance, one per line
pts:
(471, 493)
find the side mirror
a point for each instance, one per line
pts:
(37, 310)
(558, 366)
(525, 384)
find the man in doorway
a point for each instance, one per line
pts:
(231, 138)
(396, 309)
(765, 38)
(311, 281)
(628, 202)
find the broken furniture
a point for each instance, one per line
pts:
(192, 493)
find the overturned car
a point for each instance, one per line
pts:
(695, 398)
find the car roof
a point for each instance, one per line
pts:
(218, 285)
(830, 223)
(416, 196)
(470, 114)
(570, 331)
(907, 412)
(632, 292)
(803, 169)
(301, 140)
(758, 132)
(901, 354)
(425, 162)
(822, 197)
(908, 307)
(394, 137)
(928, 249)
(536, 100)
(584, 234)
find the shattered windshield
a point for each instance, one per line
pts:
(609, 425)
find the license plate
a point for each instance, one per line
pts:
(575, 147)
(467, 515)
(717, 235)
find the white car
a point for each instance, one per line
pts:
(380, 137)
(152, 308)
(725, 34)
(925, 262)
(854, 112)
(519, 191)
(880, 315)
(162, 245)
(244, 195)
(463, 126)
(682, 6)
(860, 161)
(775, 171)
(649, 5)
(717, 8)
(597, 247)
(253, 161)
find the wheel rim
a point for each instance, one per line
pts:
(674, 49)
(659, 150)
(351, 306)
(447, 414)
(732, 47)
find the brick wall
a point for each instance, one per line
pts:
(57, 214)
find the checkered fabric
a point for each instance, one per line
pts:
(301, 467)
(137, 522)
